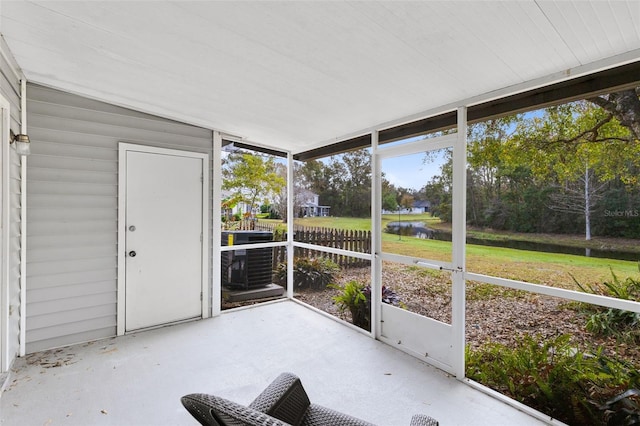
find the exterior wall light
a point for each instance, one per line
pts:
(23, 145)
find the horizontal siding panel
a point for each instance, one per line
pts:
(10, 91)
(14, 186)
(40, 200)
(14, 158)
(10, 87)
(54, 280)
(57, 98)
(116, 118)
(47, 136)
(67, 323)
(68, 188)
(75, 151)
(73, 265)
(15, 201)
(53, 162)
(99, 300)
(14, 170)
(70, 214)
(14, 228)
(78, 227)
(14, 277)
(77, 252)
(61, 175)
(117, 132)
(87, 336)
(36, 242)
(66, 291)
(14, 99)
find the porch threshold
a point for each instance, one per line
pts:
(138, 379)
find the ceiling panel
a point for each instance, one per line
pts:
(294, 75)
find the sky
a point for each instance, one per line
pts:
(410, 171)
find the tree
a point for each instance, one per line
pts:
(577, 147)
(251, 178)
(389, 195)
(580, 197)
(624, 106)
(357, 183)
(406, 201)
(341, 181)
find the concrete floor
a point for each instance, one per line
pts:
(138, 379)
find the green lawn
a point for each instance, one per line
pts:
(532, 266)
(356, 223)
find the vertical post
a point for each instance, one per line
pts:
(23, 223)
(376, 245)
(290, 219)
(5, 332)
(216, 228)
(459, 240)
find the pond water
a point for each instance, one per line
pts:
(415, 224)
(547, 247)
(420, 230)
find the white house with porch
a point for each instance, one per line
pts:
(310, 204)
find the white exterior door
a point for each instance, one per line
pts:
(163, 233)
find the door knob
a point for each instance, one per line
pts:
(132, 253)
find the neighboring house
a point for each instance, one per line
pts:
(421, 206)
(310, 204)
(231, 205)
(418, 207)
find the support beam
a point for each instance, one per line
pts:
(459, 206)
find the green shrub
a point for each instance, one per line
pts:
(356, 298)
(555, 378)
(352, 297)
(312, 272)
(613, 322)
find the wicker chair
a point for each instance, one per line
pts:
(284, 402)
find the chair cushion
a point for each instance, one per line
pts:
(211, 410)
(318, 415)
(285, 399)
(423, 420)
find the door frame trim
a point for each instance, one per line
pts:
(123, 148)
(5, 177)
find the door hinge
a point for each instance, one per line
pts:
(201, 296)
(202, 178)
(201, 237)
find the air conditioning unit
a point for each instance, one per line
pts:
(245, 269)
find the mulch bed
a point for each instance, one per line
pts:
(493, 314)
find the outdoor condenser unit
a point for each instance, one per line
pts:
(245, 269)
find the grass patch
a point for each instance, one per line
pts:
(551, 269)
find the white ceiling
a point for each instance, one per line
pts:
(295, 75)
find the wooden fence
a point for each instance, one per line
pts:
(352, 240)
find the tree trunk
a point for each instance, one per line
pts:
(587, 204)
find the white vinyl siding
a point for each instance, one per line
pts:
(72, 210)
(10, 90)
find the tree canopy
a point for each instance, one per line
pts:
(251, 178)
